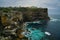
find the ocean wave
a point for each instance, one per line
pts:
(54, 20)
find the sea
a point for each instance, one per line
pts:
(53, 26)
(50, 28)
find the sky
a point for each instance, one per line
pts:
(52, 5)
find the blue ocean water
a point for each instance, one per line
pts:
(52, 26)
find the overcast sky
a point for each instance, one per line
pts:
(52, 5)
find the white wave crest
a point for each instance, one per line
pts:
(54, 20)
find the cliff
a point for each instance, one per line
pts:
(35, 14)
(25, 13)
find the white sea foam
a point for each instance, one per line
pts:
(54, 20)
(47, 33)
(34, 22)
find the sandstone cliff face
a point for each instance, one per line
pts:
(36, 14)
(26, 14)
